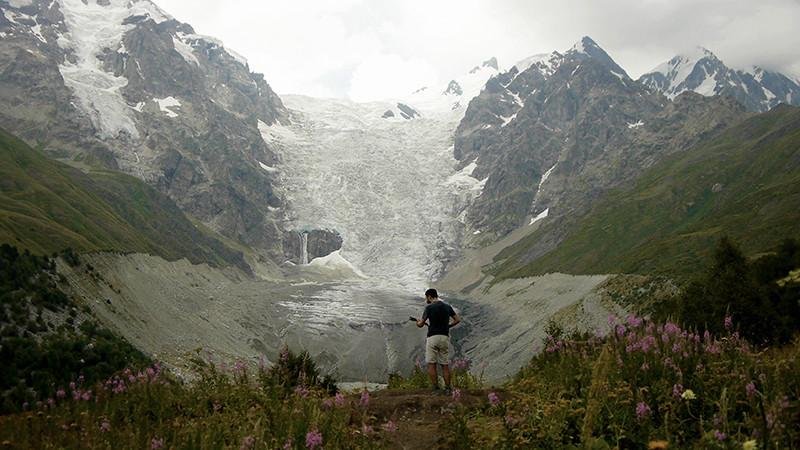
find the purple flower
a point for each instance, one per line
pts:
(620, 330)
(313, 439)
(720, 435)
(301, 391)
(105, 426)
(633, 321)
(677, 390)
(239, 367)
(61, 393)
(339, 399)
(750, 388)
(456, 395)
(390, 426)
(728, 322)
(248, 443)
(288, 444)
(494, 399)
(461, 364)
(642, 411)
(156, 443)
(364, 399)
(672, 329)
(86, 396)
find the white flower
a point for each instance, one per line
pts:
(688, 395)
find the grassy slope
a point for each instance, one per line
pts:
(671, 218)
(46, 206)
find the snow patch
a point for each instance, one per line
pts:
(635, 124)
(185, 50)
(335, 260)
(619, 75)
(166, 105)
(37, 31)
(709, 84)
(20, 3)
(464, 178)
(767, 93)
(540, 216)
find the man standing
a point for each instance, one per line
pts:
(437, 345)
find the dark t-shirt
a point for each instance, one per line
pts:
(438, 313)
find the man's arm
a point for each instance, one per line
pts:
(456, 320)
(421, 322)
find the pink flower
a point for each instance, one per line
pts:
(677, 390)
(642, 411)
(390, 426)
(105, 426)
(61, 393)
(620, 330)
(327, 403)
(672, 329)
(364, 399)
(750, 388)
(728, 322)
(301, 391)
(720, 435)
(72, 385)
(494, 399)
(156, 443)
(86, 396)
(339, 399)
(288, 444)
(313, 439)
(633, 321)
(248, 443)
(456, 395)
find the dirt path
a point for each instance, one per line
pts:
(422, 417)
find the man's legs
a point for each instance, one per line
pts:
(433, 375)
(446, 375)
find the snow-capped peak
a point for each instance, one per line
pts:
(545, 62)
(456, 94)
(585, 45)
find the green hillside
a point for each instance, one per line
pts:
(46, 207)
(744, 184)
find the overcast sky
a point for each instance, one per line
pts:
(371, 49)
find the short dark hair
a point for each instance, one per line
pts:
(431, 293)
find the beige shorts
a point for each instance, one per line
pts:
(437, 349)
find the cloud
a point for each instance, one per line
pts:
(368, 49)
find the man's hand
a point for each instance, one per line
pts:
(456, 321)
(420, 323)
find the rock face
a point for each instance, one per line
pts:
(317, 243)
(557, 131)
(119, 84)
(701, 71)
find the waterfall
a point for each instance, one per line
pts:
(304, 251)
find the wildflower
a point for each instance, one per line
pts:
(612, 320)
(313, 439)
(633, 321)
(390, 426)
(511, 420)
(216, 406)
(239, 367)
(672, 329)
(284, 355)
(713, 348)
(677, 390)
(61, 393)
(339, 399)
(156, 443)
(728, 322)
(364, 399)
(366, 429)
(81, 379)
(620, 330)
(720, 435)
(688, 395)
(494, 399)
(750, 445)
(327, 403)
(72, 385)
(461, 364)
(248, 443)
(642, 410)
(288, 444)
(750, 388)
(301, 391)
(456, 395)
(86, 396)
(51, 402)
(105, 426)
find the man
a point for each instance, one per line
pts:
(437, 345)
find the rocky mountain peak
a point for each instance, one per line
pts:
(587, 48)
(701, 71)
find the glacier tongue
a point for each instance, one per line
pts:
(386, 186)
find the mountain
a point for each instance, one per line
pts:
(744, 183)
(453, 98)
(121, 85)
(556, 132)
(47, 207)
(701, 71)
